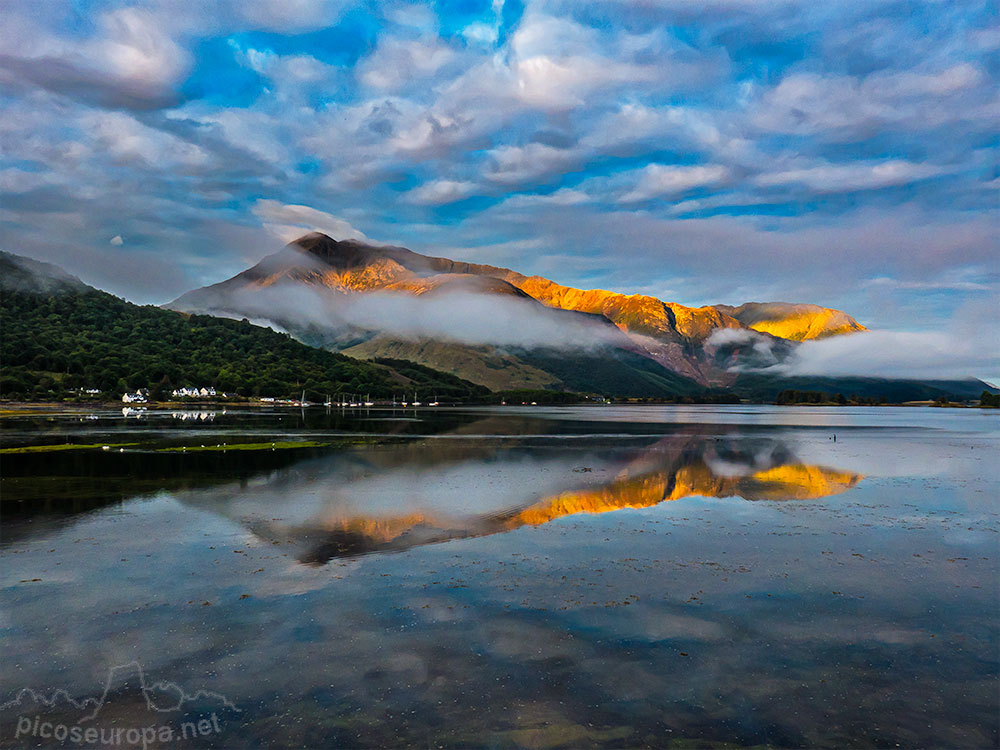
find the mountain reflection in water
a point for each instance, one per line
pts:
(389, 498)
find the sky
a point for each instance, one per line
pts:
(701, 151)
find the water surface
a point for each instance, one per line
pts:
(506, 577)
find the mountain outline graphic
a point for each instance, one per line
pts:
(52, 698)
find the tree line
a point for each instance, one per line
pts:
(52, 344)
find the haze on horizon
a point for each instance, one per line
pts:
(717, 152)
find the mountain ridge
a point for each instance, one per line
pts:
(675, 336)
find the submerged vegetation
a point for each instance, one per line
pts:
(64, 447)
(275, 446)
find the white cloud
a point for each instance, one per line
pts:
(284, 70)
(440, 192)
(536, 162)
(135, 46)
(557, 63)
(961, 280)
(289, 222)
(895, 354)
(656, 180)
(845, 107)
(481, 33)
(129, 141)
(397, 63)
(15, 180)
(561, 197)
(835, 178)
(450, 315)
(117, 241)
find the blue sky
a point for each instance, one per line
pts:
(841, 153)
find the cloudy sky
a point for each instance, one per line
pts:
(843, 153)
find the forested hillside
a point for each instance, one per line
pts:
(58, 334)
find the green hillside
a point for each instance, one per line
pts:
(604, 370)
(58, 334)
(611, 372)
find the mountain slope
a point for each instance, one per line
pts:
(59, 334)
(313, 285)
(462, 318)
(500, 328)
(794, 322)
(353, 266)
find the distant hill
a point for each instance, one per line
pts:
(766, 388)
(58, 334)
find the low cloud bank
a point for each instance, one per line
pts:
(894, 354)
(956, 353)
(763, 344)
(461, 317)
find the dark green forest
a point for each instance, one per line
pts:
(57, 335)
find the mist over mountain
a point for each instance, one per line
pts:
(372, 301)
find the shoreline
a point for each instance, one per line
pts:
(17, 408)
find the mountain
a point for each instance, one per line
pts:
(59, 334)
(793, 322)
(504, 330)
(313, 286)
(467, 319)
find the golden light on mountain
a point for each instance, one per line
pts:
(686, 475)
(796, 322)
(675, 337)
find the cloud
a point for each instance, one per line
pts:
(453, 315)
(398, 63)
(897, 354)
(969, 346)
(848, 107)
(535, 162)
(117, 241)
(561, 197)
(835, 178)
(963, 280)
(289, 15)
(289, 222)
(657, 180)
(765, 150)
(131, 62)
(764, 346)
(129, 141)
(440, 192)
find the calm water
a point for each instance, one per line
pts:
(515, 577)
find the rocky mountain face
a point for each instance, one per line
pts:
(794, 322)
(373, 301)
